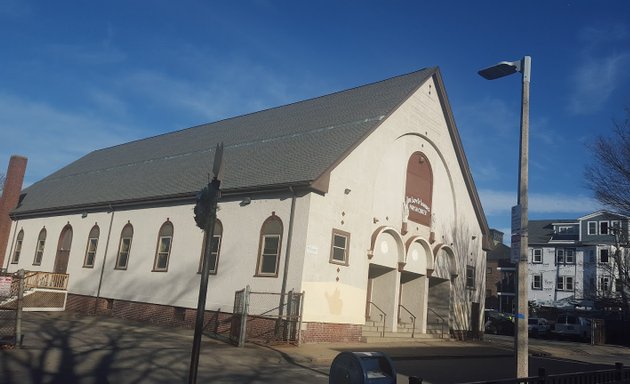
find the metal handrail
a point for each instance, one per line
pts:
(413, 320)
(383, 315)
(441, 318)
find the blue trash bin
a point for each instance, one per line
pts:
(362, 368)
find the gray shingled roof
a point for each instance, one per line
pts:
(289, 145)
(541, 231)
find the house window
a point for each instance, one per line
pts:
(618, 285)
(470, 277)
(489, 271)
(603, 227)
(537, 256)
(614, 224)
(537, 281)
(560, 256)
(18, 247)
(215, 248)
(564, 283)
(340, 245)
(569, 256)
(269, 247)
(592, 227)
(603, 255)
(163, 249)
(90, 249)
(604, 284)
(124, 249)
(39, 249)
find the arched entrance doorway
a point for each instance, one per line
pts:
(63, 250)
(440, 290)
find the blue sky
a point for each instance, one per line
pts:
(76, 76)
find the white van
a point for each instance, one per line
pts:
(573, 326)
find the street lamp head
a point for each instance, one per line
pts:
(504, 68)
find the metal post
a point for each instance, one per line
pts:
(20, 304)
(242, 335)
(203, 288)
(521, 341)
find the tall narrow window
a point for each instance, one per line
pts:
(603, 227)
(603, 255)
(604, 284)
(537, 282)
(18, 247)
(163, 249)
(592, 227)
(215, 248)
(569, 256)
(560, 256)
(124, 249)
(339, 247)
(39, 249)
(537, 256)
(470, 277)
(90, 249)
(269, 247)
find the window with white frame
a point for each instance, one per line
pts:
(163, 248)
(569, 256)
(269, 248)
(215, 248)
(537, 255)
(124, 248)
(90, 249)
(340, 245)
(592, 227)
(39, 248)
(470, 277)
(537, 281)
(604, 284)
(615, 224)
(603, 227)
(18, 247)
(603, 255)
(560, 256)
(564, 283)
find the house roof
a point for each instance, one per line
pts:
(293, 145)
(542, 231)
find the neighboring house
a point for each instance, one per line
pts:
(362, 199)
(500, 276)
(571, 261)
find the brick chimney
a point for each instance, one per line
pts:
(9, 200)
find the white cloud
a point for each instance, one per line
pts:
(51, 138)
(556, 204)
(601, 68)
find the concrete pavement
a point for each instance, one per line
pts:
(66, 348)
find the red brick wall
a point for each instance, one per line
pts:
(218, 323)
(9, 200)
(328, 333)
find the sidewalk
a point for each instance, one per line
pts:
(66, 348)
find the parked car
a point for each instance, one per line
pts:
(538, 327)
(498, 323)
(572, 326)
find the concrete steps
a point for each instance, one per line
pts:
(372, 332)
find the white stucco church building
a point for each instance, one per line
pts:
(365, 193)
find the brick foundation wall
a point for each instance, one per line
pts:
(329, 333)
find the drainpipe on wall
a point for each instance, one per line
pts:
(285, 274)
(100, 280)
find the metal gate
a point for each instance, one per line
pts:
(266, 316)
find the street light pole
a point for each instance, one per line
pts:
(505, 68)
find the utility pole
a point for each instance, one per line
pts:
(205, 216)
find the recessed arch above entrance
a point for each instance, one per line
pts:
(387, 248)
(445, 262)
(419, 256)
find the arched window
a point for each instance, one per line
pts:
(124, 249)
(90, 249)
(269, 247)
(163, 249)
(215, 248)
(39, 249)
(18, 247)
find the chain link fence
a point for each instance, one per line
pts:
(266, 316)
(10, 284)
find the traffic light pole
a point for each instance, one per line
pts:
(213, 187)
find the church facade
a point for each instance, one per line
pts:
(363, 200)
